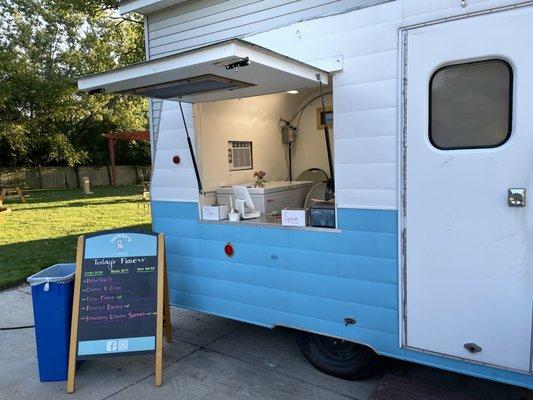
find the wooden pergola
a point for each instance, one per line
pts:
(112, 139)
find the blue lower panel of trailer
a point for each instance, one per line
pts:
(310, 280)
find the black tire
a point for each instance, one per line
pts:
(337, 357)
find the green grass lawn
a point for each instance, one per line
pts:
(44, 232)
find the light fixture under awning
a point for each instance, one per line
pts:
(227, 70)
(199, 84)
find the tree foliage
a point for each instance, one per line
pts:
(44, 46)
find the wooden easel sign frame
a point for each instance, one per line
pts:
(120, 298)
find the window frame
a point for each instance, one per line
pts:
(510, 106)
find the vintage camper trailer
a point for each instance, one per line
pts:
(429, 258)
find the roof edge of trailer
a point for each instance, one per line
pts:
(146, 6)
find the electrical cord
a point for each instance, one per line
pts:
(299, 114)
(12, 328)
(286, 162)
(331, 185)
(301, 109)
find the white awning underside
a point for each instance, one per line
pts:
(227, 70)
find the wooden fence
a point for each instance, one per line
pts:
(65, 177)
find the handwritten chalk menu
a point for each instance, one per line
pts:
(118, 294)
(118, 297)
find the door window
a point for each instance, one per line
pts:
(471, 105)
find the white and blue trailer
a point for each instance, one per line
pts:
(431, 257)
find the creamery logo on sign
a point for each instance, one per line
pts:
(120, 240)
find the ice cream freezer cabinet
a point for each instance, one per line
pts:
(272, 196)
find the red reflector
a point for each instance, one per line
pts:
(228, 249)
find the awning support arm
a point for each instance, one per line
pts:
(331, 183)
(191, 151)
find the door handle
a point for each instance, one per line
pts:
(516, 197)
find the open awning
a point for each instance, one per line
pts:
(227, 70)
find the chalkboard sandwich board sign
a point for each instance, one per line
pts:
(120, 298)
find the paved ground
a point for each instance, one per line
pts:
(210, 358)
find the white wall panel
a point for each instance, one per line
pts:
(370, 150)
(174, 181)
(170, 140)
(366, 175)
(304, 42)
(422, 10)
(363, 123)
(366, 96)
(179, 177)
(384, 66)
(380, 199)
(174, 193)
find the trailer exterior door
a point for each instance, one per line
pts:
(469, 157)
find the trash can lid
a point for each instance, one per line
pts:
(58, 273)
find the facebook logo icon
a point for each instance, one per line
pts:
(117, 345)
(112, 345)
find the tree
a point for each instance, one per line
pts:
(44, 46)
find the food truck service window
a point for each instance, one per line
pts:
(264, 161)
(260, 156)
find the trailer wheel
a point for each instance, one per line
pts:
(337, 357)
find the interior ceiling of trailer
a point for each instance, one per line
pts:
(227, 70)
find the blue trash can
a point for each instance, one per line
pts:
(51, 292)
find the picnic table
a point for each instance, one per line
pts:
(11, 191)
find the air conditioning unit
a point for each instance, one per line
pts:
(240, 155)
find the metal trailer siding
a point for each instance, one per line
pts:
(306, 280)
(282, 277)
(278, 276)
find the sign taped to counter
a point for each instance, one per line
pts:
(120, 298)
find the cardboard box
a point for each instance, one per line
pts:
(294, 217)
(215, 213)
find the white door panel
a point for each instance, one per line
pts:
(469, 255)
